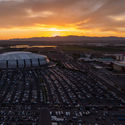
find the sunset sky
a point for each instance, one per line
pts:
(45, 18)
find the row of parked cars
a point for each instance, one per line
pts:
(71, 96)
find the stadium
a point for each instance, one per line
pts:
(21, 59)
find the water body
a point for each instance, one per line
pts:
(28, 46)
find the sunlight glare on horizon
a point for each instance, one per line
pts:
(46, 18)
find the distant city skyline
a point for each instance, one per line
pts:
(49, 18)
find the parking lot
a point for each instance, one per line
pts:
(71, 97)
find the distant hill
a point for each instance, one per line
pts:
(69, 38)
(65, 40)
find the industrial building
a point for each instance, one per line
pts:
(119, 66)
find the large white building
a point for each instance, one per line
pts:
(21, 59)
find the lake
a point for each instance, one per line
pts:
(28, 46)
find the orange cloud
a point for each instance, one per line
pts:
(37, 18)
